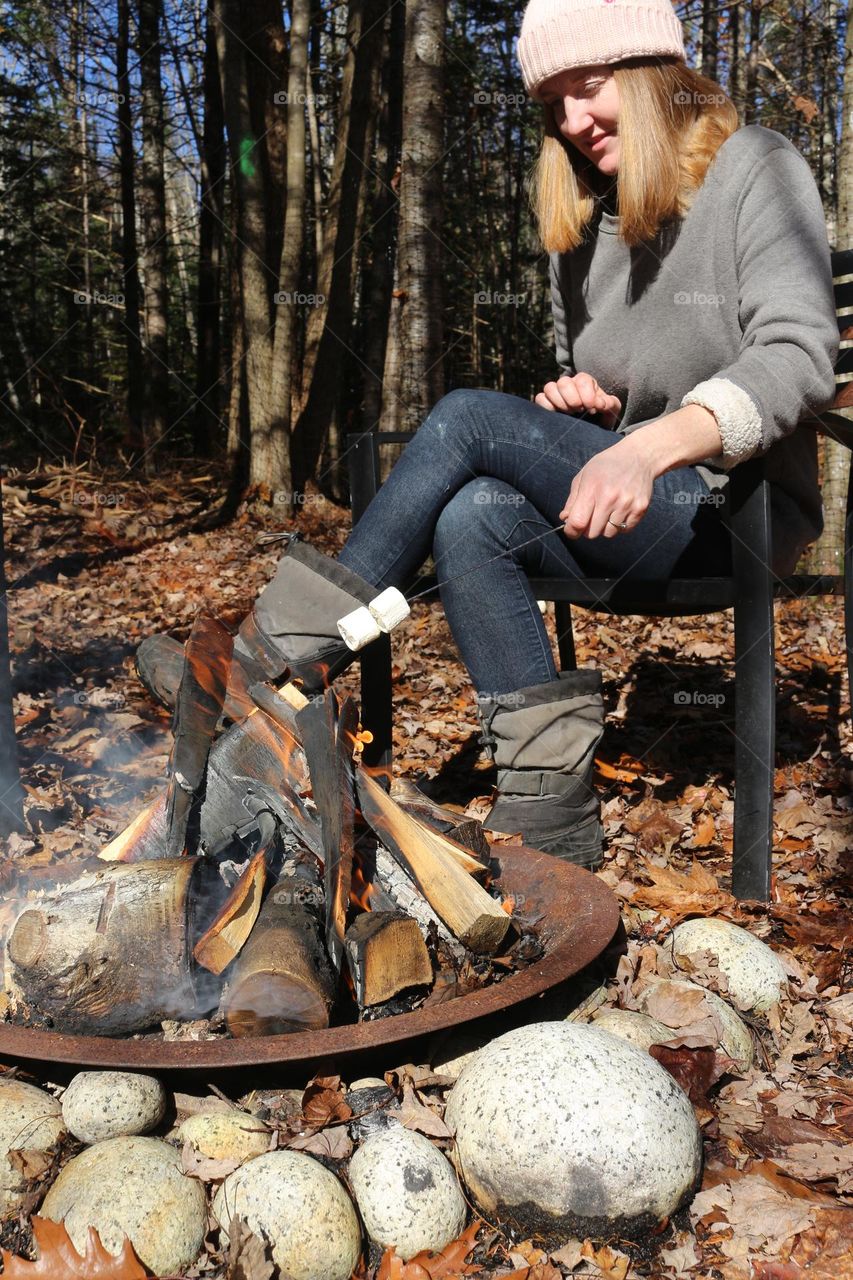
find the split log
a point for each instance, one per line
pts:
(198, 706)
(282, 981)
(224, 939)
(469, 912)
(327, 734)
(391, 888)
(465, 831)
(386, 955)
(109, 954)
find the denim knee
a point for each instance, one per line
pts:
(461, 407)
(481, 515)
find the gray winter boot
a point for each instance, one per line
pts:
(543, 741)
(291, 630)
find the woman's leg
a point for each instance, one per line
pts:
(484, 552)
(473, 433)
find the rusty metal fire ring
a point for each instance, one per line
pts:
(581, 916)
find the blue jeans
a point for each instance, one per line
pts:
(488, 471)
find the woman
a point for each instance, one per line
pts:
(695, 328)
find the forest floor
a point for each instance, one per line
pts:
(96, 564)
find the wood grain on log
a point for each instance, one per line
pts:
(465, 831)
(468, 911)
(108, 954)
(283, 981)
(386, 955)
(198, 707)
(327, 734)
(224, 939)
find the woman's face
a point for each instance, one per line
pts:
(585, 103)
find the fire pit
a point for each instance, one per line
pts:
(581, 916)
(277, 893)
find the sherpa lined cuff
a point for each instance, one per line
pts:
(738, 419)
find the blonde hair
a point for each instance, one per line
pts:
(672, 122)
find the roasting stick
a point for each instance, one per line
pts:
(385, 611)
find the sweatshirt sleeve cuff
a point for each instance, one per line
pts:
(738, 419)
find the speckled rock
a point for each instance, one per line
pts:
(133, 1187)
(226, 1135)
(567, 1130)
(637, 1028)
(756, 977)
(734, 1037)
(407, 1192)
(112, 1104)
(31, 1120)
(301, 1208)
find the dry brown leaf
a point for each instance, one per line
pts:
(414, 1115)
(59, 1260)
(323, 1102)
(196, 1165)
(696, 1070)
(677, 894)
(818, 1162)
(446, 1265)
(653, 825)
(704, 831)
(760, 1215)
(333, 1142)
(248, 1255)
(610, 1262)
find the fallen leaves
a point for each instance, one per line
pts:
(677, 894)
(59, 1260)
(446, 1265)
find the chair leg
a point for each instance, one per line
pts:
(755, 728)
(376, 708)
(565, 636)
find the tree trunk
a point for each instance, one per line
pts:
(710, 18)
(290, 266)
(379, 277)
(330, 324)
(11, 809)
(211, 220)
(152, 203)
(235, 27)
(421, 213)
(130, 268)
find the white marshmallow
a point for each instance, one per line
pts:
(389, 608)
(358, 628)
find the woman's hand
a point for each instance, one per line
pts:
(581, 392)
(613, 489)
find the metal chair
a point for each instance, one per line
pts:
(750, 591)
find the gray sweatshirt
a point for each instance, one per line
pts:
(730, 307)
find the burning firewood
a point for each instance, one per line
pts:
(464, 905)
(465, 831)
(386, 954)
(256, 747)
(327, 735)
(201, 693)
(223, 940)
(282, 981)
(109, 953)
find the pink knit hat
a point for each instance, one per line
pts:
(559, 34)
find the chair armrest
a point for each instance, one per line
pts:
(833, 426)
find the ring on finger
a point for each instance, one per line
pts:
(615, 525)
